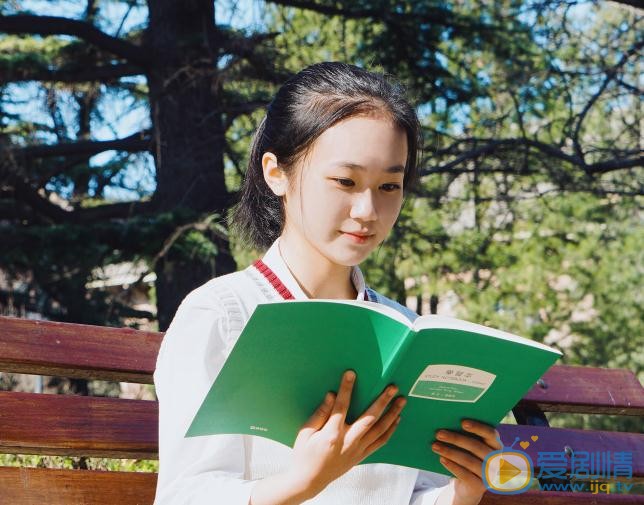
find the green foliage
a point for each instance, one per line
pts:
(515, 250)
(195, 244)
(64, 257)
(69, 463)
(525, 236)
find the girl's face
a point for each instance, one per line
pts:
(351, 182)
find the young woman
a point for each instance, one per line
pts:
(329, 167)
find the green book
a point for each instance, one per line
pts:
(291, 353)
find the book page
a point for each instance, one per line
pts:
(451, 323)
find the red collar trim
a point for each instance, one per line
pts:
(277, 283)
(273, 279)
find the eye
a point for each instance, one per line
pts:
(344, 182)
(390, 188)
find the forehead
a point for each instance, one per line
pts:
(371, 142)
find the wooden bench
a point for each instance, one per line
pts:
(33, 423)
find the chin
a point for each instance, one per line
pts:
(350, 258)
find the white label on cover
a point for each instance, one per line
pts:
(452, 383)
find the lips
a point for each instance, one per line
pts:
(363, 235)
(358, 238)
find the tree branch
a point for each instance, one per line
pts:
(615, 164)
(70, 75)
(120, 210)
(327, 9)
(52, 25)
(245, 49)
(233, 43)
(490, 146)
(43, 206)
(433, 15)
(56, 214)
(140, 141)
(207, 223)
(610, 75)
(233, 111)
(633, 3)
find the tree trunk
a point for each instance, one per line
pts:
(186, 114)
(177, 276)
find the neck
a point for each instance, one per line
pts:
(316, 275)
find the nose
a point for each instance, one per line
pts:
(364, 206)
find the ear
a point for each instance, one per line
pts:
(273, 174)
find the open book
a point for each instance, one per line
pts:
(291, 353)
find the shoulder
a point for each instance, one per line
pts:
(223, 290)
(233, 297)
(211, 314)
(206, 308)
(380, 298)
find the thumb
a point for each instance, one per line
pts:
(320, 416)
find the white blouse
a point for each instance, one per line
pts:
(222, 469)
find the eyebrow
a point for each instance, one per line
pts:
(356, 166)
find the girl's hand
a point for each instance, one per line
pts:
(326, 446)
(463, 455)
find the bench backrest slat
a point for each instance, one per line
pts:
(123, 354)
(78, 350)
(65, 487)
(78, 426)
(108, 427)
(555, 440)
(559, 498)
(566, 388)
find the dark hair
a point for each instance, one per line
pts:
(306, 105)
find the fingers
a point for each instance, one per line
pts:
(464, 442)
(462, 458)
(370, 417)
(466, 450)
(382, 439)
(489, 435)
(319, 418)
(486, 438)
(372, 429)
(372, 425)
(463, 474)
(343, 399)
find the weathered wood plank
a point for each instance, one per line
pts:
(78, 425)
(78, 350)
(561, 498)
(63, 487)
(35, 486)
(566, 388)
(557, 439)
(110, 427)
(123, 354)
